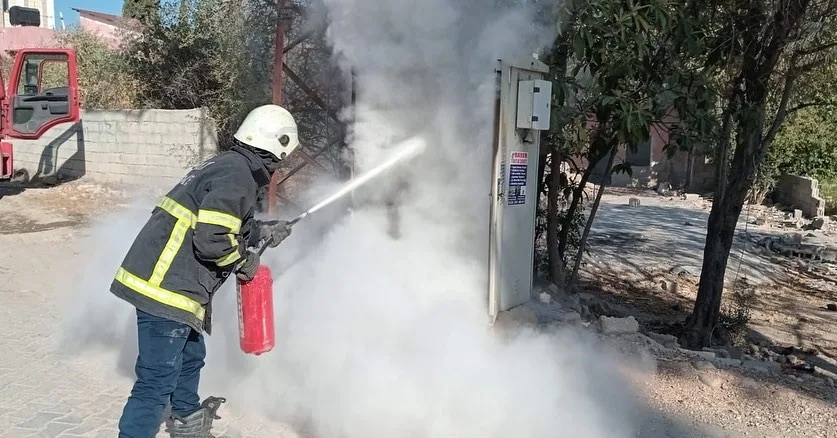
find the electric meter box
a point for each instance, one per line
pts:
(522, 103)
(534, 104)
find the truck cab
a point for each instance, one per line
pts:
(40, 93)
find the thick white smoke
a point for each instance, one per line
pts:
(382, 337)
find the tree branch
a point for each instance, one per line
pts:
(817, 49)
(782, 112)
(802, 106)
(805, 68)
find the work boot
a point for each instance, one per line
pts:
(198, 424)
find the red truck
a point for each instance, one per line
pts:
(42, 91)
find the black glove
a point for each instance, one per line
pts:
(247, 269)
(277, 231)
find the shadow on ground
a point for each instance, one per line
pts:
(11, 189)
(643, 236)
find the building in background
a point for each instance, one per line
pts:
(47, 8)
(108, 27)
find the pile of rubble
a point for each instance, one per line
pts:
(796, 245)
(792, 218)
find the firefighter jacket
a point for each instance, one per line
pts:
(195, 239)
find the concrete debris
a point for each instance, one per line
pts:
(797, 213)
(545, 298)
(633, 202)
(793, 245)
(680, 271)
(719, 352)
(817, 224)
(569, 317)
(792, 223)
(702, 365)
(794, 361)
(704, 354)
(734, 353)
(711, 381)
(690, 197)
(733, 363)
(669, 286)
(618, 326)
(765, 367)
(825, 373)
(667, 341)
(639, 345)
(749, 383)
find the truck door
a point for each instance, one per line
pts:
(42, 92)
(5, 148)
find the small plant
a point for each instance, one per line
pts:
(736, 313)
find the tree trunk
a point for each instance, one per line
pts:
(589, 224)
(759, 61)
(578, 194)
(556, 261)
(720, 231)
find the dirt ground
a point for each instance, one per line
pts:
(648, 260)
(644, 263)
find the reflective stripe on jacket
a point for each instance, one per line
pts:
(196, 236)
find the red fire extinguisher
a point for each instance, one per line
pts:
(256, 334)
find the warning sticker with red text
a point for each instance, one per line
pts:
(518, 166)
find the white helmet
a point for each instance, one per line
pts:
(270, 128)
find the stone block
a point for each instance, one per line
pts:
(617, 326)
(818, 223)
(766, 367)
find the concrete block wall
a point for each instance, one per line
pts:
(135, 147)
(800, 192)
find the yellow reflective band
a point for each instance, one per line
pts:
(176, 238)
(159, 294)
(221, 219)
(229, 258)
(175, 209)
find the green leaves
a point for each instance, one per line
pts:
(620, 70)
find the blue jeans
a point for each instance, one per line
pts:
(168, 369)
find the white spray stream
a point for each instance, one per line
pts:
(382, 337)
(406, 150)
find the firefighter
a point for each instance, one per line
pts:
(197, 236)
